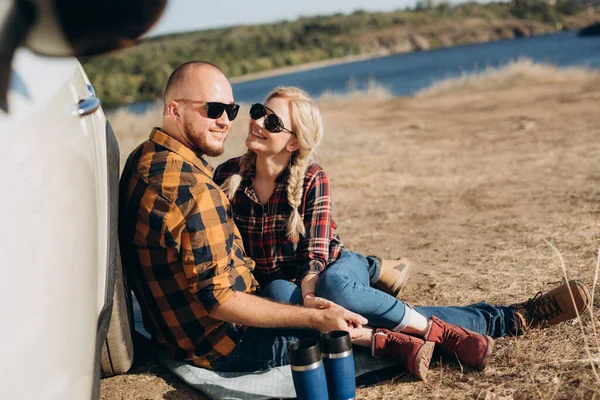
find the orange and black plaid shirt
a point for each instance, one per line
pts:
(181, 250)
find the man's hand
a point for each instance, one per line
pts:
(319, 303)
(251, 310)
(312, 301)
(336, 318)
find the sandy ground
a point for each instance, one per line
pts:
(471, 185)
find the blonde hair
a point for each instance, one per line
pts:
(307, 124)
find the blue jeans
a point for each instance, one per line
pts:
(348, 281)
(262, 348)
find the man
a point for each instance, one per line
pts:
(183, 254)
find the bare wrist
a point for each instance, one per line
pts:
(308, 295)
(315, 318)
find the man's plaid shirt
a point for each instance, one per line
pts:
(181, 250)
(263, 228)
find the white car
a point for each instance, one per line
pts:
(59, 171)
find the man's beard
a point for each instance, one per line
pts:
(201, 146)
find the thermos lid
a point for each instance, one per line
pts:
(304, 352)
(335, 342)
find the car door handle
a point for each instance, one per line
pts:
(90, 104)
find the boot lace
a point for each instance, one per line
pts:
(451, 340)
(397, 342)
(398, 347)
(541, 308)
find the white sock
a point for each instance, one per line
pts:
(429, 324)
(410, 316)
(415, 320)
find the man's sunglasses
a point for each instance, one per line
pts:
(214, 109)
(272, 122)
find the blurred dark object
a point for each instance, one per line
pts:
(100, 26)
(592, 30)
(18, 22)
(72, 28)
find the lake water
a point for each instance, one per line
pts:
(404, 74)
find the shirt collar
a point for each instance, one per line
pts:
(161, 138)
(282, 177)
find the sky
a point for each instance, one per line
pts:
(191, 15)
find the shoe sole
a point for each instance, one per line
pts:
(423, 360)
(488, 352)
(586, 292)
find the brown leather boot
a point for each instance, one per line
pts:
(554, 306)
(471, 348)
(393, 276)
(410, 351)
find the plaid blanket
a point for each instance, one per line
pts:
(273, 383)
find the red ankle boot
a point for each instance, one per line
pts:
(410, 351)
(471, 348)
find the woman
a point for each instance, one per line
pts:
(282, 207)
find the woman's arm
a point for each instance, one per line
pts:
(312, 251)
(309, 288)
(309, 297)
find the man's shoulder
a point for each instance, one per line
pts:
(233, 164)
(167, 173)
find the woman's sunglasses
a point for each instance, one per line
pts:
(272, 122)
(214, 109)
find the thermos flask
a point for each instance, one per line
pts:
(338, 359)
(307, 370)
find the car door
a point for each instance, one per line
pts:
(53, 240)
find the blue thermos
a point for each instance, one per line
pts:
(307, 370)
(336, 350)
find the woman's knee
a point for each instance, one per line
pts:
(282, 291)
(334, 287)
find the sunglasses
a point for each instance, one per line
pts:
(272, 122)
(214, 109)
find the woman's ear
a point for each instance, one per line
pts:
(293, 146)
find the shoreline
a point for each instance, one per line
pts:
(306, 67)
(360, 57)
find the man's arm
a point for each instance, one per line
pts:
(251, 310)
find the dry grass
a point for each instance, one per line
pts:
(472, 187)
(373, 91)
(131, 129)
(523, 72)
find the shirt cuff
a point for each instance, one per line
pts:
(217, 290)
(311, 267)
